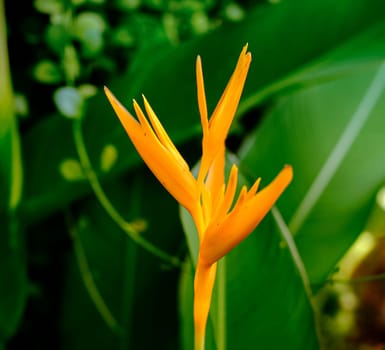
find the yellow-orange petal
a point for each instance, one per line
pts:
(216, 175)
(174, 177)
(224, 112)
(253, 190)
(229, 100)
(201, 96)
(203, 289)
(229, 192)
(162, 134)
(221, 239)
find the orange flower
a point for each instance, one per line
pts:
(222, 223)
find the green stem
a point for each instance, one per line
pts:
(107, 205)
(288, 238)
(358, 280)
(88, 279)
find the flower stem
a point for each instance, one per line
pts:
(199, 341)
(107, 205)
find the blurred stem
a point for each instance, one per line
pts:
(288, 238)
(10, 152)
(340, 150)
(358, 280)
(88, 279)
(107, 205)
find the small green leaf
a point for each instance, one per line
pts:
(108, 157)
(71, 64)
(21, 105)
(69, 102)
(123, 36)
(87, 90)
(170, 23)
(57, 37)
(234, 12)
(89, 28)
(47, 72)
(50, 7)
(78, 2)
(87, 21)
(128, 4)
(71, 170)
(200, 22)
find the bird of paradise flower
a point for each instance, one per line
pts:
(221, 222)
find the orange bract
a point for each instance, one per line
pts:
(222, 223)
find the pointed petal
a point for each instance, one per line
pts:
(203, 289)
(216, 175)
(242, 220)
(230, 190)
(253, 190)
(201, 96)
(233, 90)
(222, 208)
(206, 205)
(242, 196)
(224, 112)
(174, 177)
(162, 135)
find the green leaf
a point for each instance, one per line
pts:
(51, 7)
(47, 72)
(71, 64)
(69, 102)
(13, 277)
(108, 158)
(71, 170)
(88, 28)
(57, 38)
(117, 275)
(127, 4)
(333, 135)
(291, 47)
(87, 90)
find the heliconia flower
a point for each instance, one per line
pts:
(221, 221)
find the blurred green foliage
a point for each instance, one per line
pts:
(92, 250)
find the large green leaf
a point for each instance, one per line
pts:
(291, 45)
(122, 294)
(334, 136)
(13, 277)
(13, 281)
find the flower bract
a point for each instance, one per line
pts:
(221, 219)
